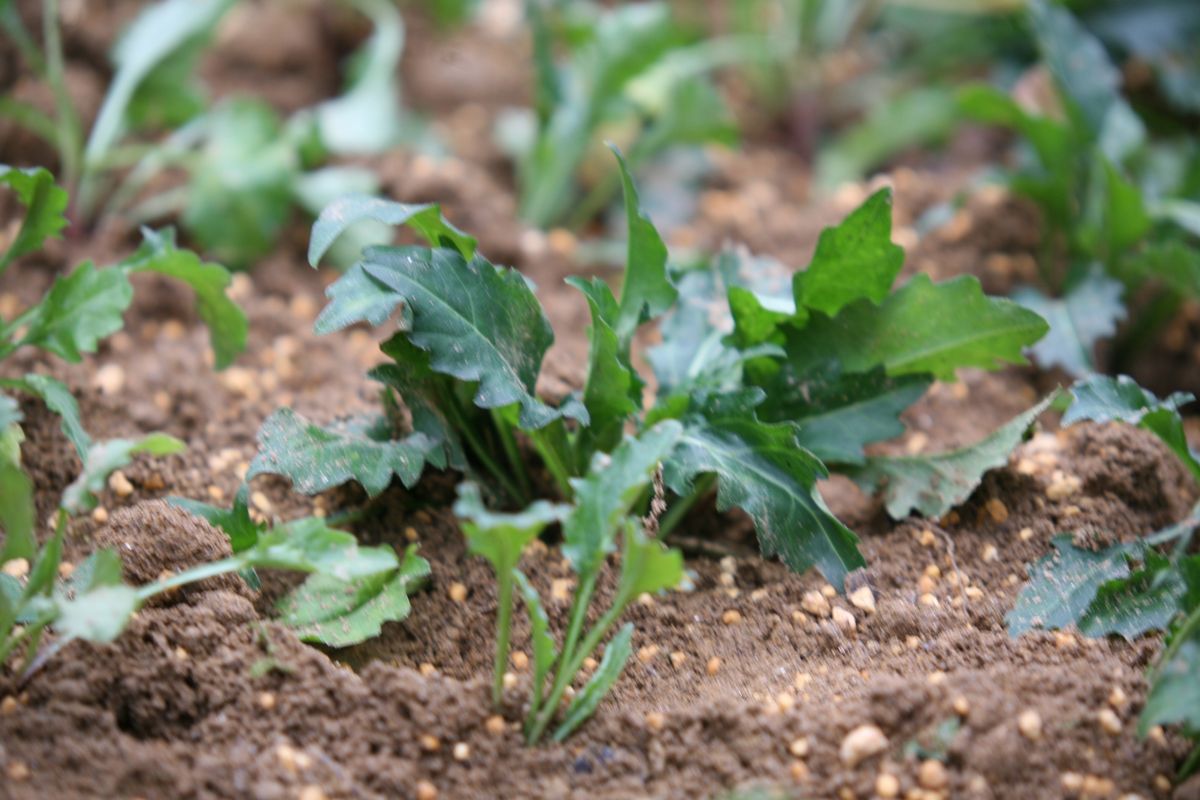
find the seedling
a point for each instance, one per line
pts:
(1114, 225)
(628, 68)
(604, 498)
(768, 388)
(76, 313)
(1129, 589)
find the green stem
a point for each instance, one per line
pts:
(198, 573)
(504, 600)
(452, 411)
(509, 443)
(680, 508)
(1189, 627)
(69, 139)
(553, 460)
(568, 670)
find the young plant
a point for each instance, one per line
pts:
(79, 310)
(1113, 222)
(628, 69)
(768, 388)
(604, 498)
(1129, 589)
(352, 590)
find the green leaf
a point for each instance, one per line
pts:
(500, 537)
(933, 484)
(1063, 584)
(1174, 691)
(1082, 69)
(616, 653)
(158, 32)
(1145, 601)
(1051, 140)
(98, 615)
(612, 388)
(10, 413)
(316, 458)
(106, 457)
(839, 414)
(608, 491)
(1102, 398)
(58, 398)
(544, 650)
(647, 566)
(1126, 219)
(479, 323)
(242, 531)
(16, 512)
(339, 613)
(417, 385)
(44, 203)
(1087, 313)
(226, 323)
(922, 328)
(854, 260)
(79, 310)
(646, 292)
(762, 470)
(101, 568)
(239, 192)
(310, 545)
(424, 219)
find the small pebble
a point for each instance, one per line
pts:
(261, 502)
(458, 592)
(828, 591)
(266, 700)
(997, 510)
(17, 568)
(494, 725)
(120, 484)
(100, 515)
(1029, 723)
(655, 721)
(799, 771)
(430, 743)
(410, 534)
(426, 669)
(1118, 699)
(863, 599)
(1109, 722)
(1025, 534)
(648, 653)
(862, 743)
(520, 661)
(8, 705)
(731, 617)
(462, 751)
(677, 658)
(845, 621)
(816, 604)
(799, 747)
(932, 775)
(426, 791)
(887, 786)
(990, 553)
(510, 680)
(961, 706)
(713, 666)
(17, 771)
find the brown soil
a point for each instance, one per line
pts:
(205, 696)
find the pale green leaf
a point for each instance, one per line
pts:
(44, 203)
(1087, 313)
(424, 219)
(1145, 601)
(58, 398)
(310, 545)
(1175, 693)
(316, 458)
(933, 484)
(497, 536)
(98, 615)
(616, 653)
(108, 456)
(1063, 584)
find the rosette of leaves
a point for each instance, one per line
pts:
(1118, 210)
(770, 390)
(1130, 588)
(604, 497)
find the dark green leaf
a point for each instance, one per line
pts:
(44, 205)
(611, 390)
(16, 512)
(646, 292)
(1063, 585)
(839, 414)
(104, 458)
(242, 531)
(58, 398)
(418, 387)
(1174, 691)
(339, 614)
(608, 491)
(616, 653)
(647, 566)
(1088, 312)
(425, 219)
(1145, 601)
(78, 311)
(854, 260)
(922, 328)
(762, 470)
(316, 458)
(479, 323)
(933, 484)
(226, 323)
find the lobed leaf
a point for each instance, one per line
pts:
(310, 545)
(77, 312)
(646, 292)
(1087, 313)
(1063, 585)
(762, 470)
(501, 537)
(854, 260)
(243, 532)
(58, 398)
(611, 392)
(44, 203)
(340, 613)
(933, 484)
(1174, 695)
(647, 566)
(1147, 600)
(922, 328)
(425, 219)
(316, 458)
